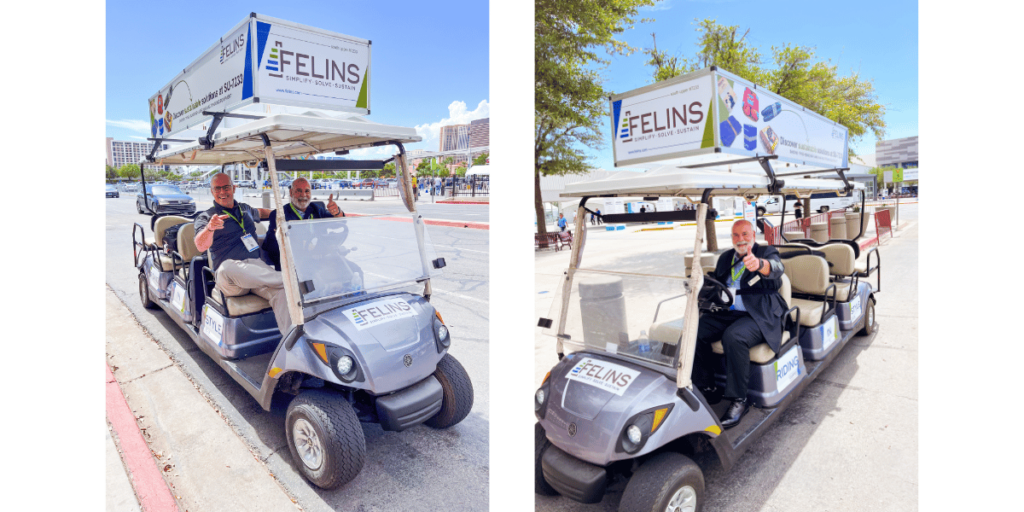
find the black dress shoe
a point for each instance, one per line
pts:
(712, 394)
(736, 411)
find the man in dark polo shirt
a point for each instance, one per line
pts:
(301, 207)
(228, 230)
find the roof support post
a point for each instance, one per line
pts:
(291, 284)
(688, 341)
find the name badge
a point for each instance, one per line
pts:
(250, 243)
(753, 280)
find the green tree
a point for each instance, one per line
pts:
(111, 173)
(570, 104)
(481, 159)
(389, 169)
(129, 171)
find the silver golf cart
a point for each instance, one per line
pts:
(620, 402)
(366, 346)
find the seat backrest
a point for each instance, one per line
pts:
(187, 242)
(792, 247)
(163, 223)
(786, 290)
(841, 257)
(261, 229)
(807, 273)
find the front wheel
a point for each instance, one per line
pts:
(458, 393)
(869, 319)
(540, 442)
(823, 209)
(668, 482)
(138, 207)
(144, 292)
(761, 210)
(325, 438)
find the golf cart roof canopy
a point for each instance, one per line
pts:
(674, 181)
(290, 135)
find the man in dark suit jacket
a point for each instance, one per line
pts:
(754, 273)
(301, 207)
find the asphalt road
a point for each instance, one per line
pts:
(849, 443)
(418, 469)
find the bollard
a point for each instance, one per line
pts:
(603, 312)
(851, 224)
(838, 228)
(819, 232)
(266, 199)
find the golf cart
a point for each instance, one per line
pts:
(366, 343)
(620, 402)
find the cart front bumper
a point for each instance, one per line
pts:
(572, 477)
(410, 406)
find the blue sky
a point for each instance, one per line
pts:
(878, 39)
(430, 59)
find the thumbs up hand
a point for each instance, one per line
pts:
(332, 207)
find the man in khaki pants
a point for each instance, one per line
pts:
(228, 231)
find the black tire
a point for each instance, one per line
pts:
(458, 393)
(869, 319)
(823, 209)
(761, 210)
(144, 292)
(658, 480)
(138, 207)
(540, 442)
(340, 437)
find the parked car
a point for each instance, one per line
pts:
(112, 191)
(165, 199)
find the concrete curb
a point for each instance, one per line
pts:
(149, 485)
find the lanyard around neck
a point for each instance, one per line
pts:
(241, 224)
(297, 214)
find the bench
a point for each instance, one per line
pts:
(564, 239)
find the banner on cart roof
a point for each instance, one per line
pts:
(663, 122)
(218, 80)
(269, 61)
(759, 122)
(675, 119)
(306, 67)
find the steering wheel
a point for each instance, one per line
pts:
(712, 292)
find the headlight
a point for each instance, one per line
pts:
(540, 396)
(442, 331)
(344, 365)
(441, 336)
(634, 434)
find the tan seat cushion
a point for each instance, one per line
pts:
(667, 332)
(843, 290)
(166, 262)
(243, 304)
(162, 224)
(807, 273)
(760, 353)
(187, 242)
(810, 311)
(841, 257)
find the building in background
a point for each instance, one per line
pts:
(455, 136)
(480, 133)
(476, 134)
(122, 152)
(896, 152)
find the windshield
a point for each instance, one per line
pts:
(111, 187)
(636, 316)
(344, 256)
(163, 189)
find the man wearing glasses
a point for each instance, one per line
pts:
(228, 231)
(301, 207)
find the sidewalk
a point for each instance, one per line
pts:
(176, 451)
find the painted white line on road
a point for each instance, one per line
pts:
(459, 295)
(460, 249)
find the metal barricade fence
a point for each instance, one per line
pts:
(883, 224)
(773, 235)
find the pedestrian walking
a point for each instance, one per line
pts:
(599, 219)
(561, 222)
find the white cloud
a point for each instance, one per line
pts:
(136, 137)
(457, 114)
(134, 125)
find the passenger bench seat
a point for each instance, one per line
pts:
(166, 262)
(762, 352)
(808, 274)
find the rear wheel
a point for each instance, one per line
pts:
(761, 210)
(325, 438)
(144, 292)
(869, 319)
(823, 209)
(668, 482)
(458, 393)
(138, 207)
(540, 442)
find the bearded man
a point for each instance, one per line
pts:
(754, 274)
(301, 207)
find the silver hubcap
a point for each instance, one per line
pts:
(684, 500)
(307, 444)
(871, 317)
